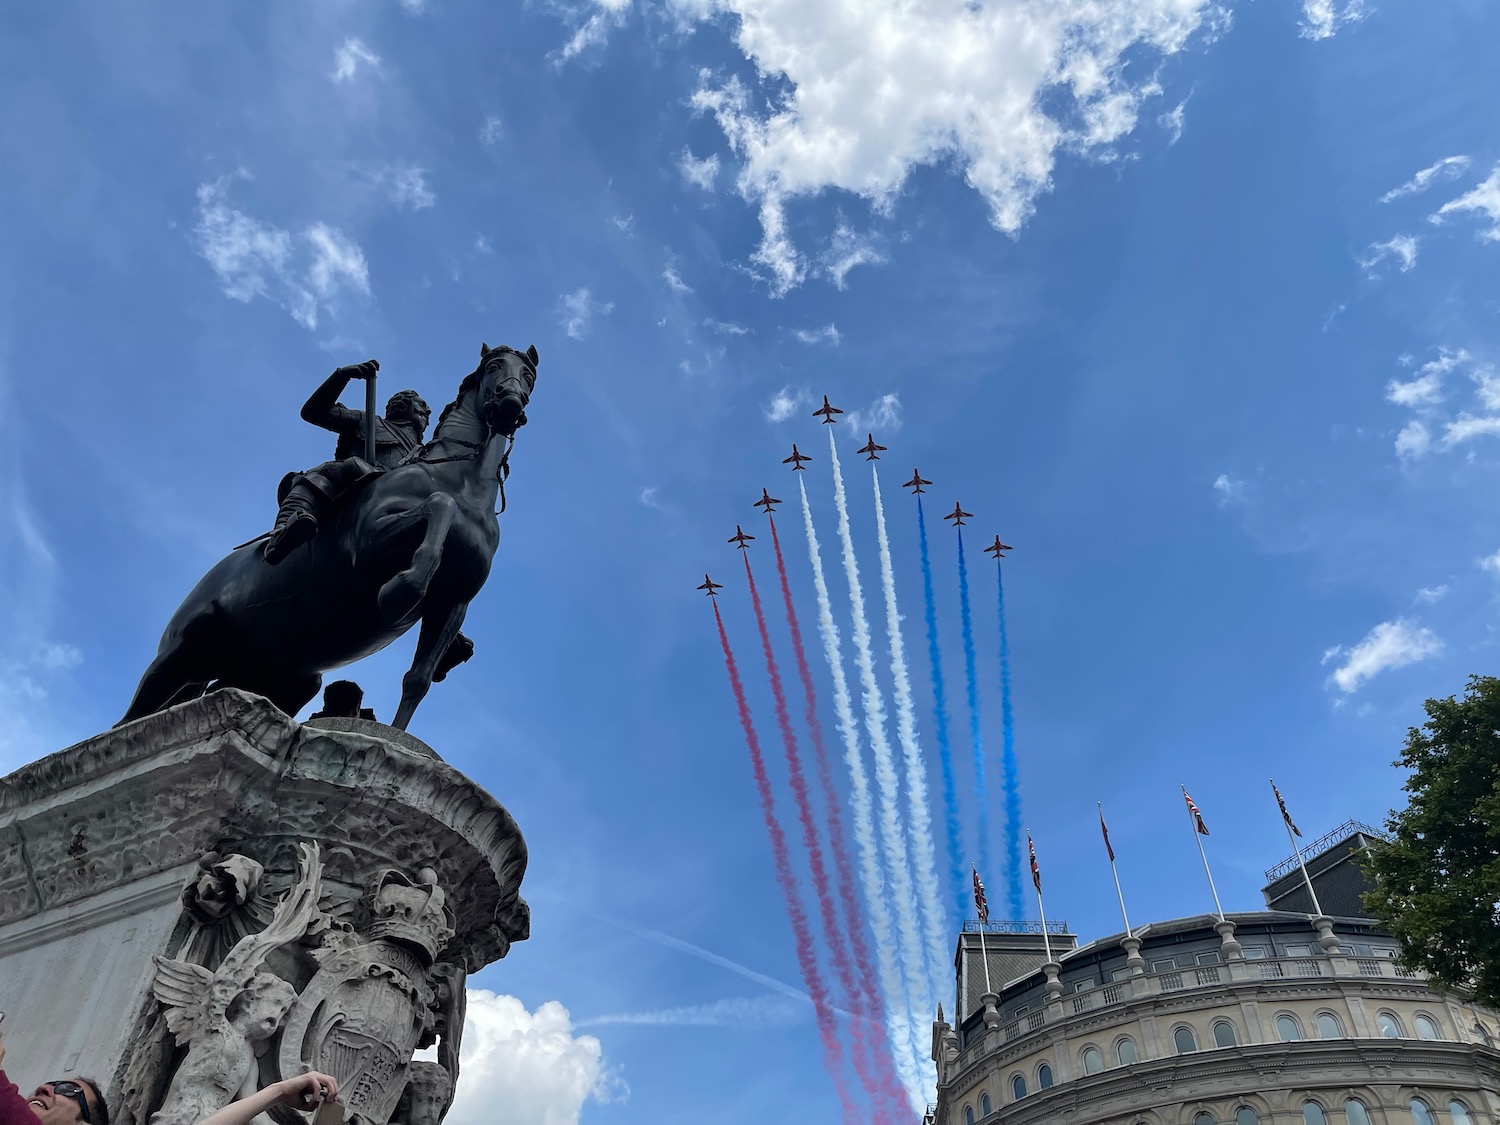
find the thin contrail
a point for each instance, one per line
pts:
(898, 1025)
(1011, 780)
(797, 782)
(833, 1055)
(919, 1003)
(971, 682)
(861, 985)
(958, 888)
(924, 862)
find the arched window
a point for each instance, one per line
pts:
(1224, 1034)
(968, 1115)
(1426, 1029)
(1044, 1077)
(1018, 1087)
(1420, 1114)
(1287, 1029)
(984, 1105)
(1125, 1052)
(1312, 1114)
(1245, 1116)
(1204, 1119)
(1093, 1061)
(1390, 1027)
(1184, 1041)
(1355, 1113)
(1328, 1026)
(1459, 1113)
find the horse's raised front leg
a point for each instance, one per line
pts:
(401, 595)
(438, 631)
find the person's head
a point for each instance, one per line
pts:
(64, 1101)
(428, 1094)
(258, 1011)
(408, 406)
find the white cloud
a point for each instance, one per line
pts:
(856, 98)
(739, 1011)
(482, 245)
(1413, 441)
(594, 31)
(1391, 644)
(55, 657)
(579, 310)
(350, 56)
(527, 1068)
(1447, 168)
(828, 334)
(1424, 390)
(648, 497)
(775, 254)
(1430, 594)
(884, 414)
(699, 173)
(846, 250)
(726, 328)
(1173, 121)
(304, 274)
(625, 224)
(491, 131)
(786, 402)
(1466, 427)
(1491, 563)
(1482, 200)
(406, 184)
(1230, 491)
(1402, 248)
(413, 6)
(674, 281)
(1323, 18)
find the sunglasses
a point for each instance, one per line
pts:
(69, 1089)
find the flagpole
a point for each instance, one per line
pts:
(982, 911)
(1198, 839)
(1036, 881)
(1286, 822)
(985, 960)
(1115, 872)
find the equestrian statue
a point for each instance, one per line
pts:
(391, 532)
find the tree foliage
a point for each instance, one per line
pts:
(1437, 880)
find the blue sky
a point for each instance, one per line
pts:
(1195, 307)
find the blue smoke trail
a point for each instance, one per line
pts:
(940, 729)
(971, 679)
(1012, 781)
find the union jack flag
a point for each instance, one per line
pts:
(1036, 872)
(1286, 816)
(1197, 816)
(981, 904)
(1105, 829)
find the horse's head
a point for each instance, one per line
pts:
(506, 380)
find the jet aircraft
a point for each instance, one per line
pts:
(796, 459)
(710, 586)
(958, 515)
(827, 412)
(916, 482)
(870, 449)
(998, 549)
(739, 539)
(767, 501)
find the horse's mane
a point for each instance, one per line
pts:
(471, 380)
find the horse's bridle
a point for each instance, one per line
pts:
(477, 447)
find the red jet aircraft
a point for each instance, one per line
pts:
(998, 549)
(739, 539)
(827, 412)
(958, 515)
(870, 449)
(916, 482)
(767, 501)
(711, 586)
(796, 459)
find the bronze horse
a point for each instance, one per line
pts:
(414, 544)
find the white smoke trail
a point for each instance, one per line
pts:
(898, 1022)
(919, 1000)
(924, 859)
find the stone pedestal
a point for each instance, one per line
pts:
(407, 872)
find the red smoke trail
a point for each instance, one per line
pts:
(829, 916)
(869, 1028)
(833, 1056)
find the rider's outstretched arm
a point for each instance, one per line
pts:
(323, 407)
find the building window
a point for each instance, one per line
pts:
(1245, 1116)
(1459, 1113)
(1119, 974)
(1183, 1038)
(984, 1105)
(1299, 950)
(1083, 985)
(1328, 1026)
(1254, 952)
(1390, 1027)
(1044, 1077)
(1355, 1114)
(1287, 1029)
(1093, 1061)
(1312, 1114)
(1420, 1114)
(1205, 1119)
(1426, 1029)
(968, 1115)
(1224, 1034)
(1125, 1052)
(1018, 1087)
(1165, 965)
(1210, 958)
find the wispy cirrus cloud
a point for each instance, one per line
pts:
(579, 309)
(785, 403)
(881, 416)
(674, 281)
(847, 249)
(1483, 202)
(828, 334)
(1228, 491)
(701, 173)
(1426, 394)
(1401, 249)
(726, 327)
(351, 57)
(1391, 644)
(1322, 19)
(1447, 168)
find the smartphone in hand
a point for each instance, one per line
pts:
(329, 1113)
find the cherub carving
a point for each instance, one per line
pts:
(224, 1018)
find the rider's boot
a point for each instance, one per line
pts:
(296, 521)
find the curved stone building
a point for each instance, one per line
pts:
(1265, 1018)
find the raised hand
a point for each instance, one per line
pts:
(308, 1091)
(363, 370)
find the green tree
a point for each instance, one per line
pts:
(1437, 879)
